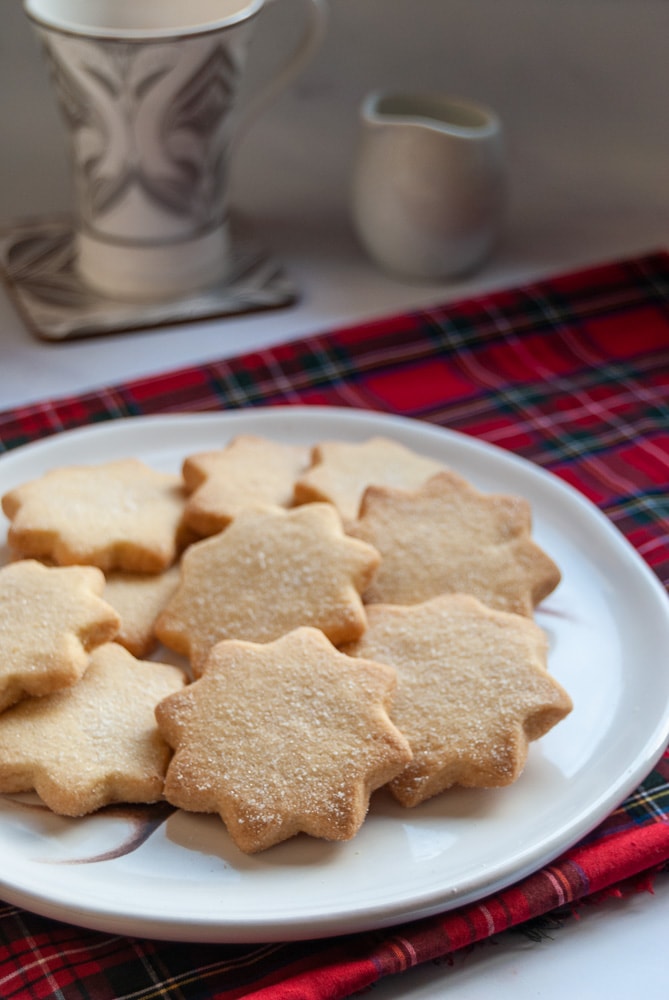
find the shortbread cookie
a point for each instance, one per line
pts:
(139, 598)
(472, 691)
(94, 743)
(270, 571)
(119, 515)
(249, 471)
(50, 620)
(281, 738)
(448, 537)
(342, 470)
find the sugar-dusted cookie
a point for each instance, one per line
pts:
(342, 470)
(270, 571)
(50, 620)
(281, 738)
(448, 537)
(250, 470)
(472, 691)
(139, 598)
(118, 515)
(94, 743)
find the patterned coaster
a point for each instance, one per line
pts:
(37, 264)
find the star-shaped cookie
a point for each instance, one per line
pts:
(139, 598)
(94, 743)
(270, 571)
(281, 738)
(342, 470)
(119, 515)
(448, 537)
(248, 471)
(472, 691)
(50, 620)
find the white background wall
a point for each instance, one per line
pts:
(582, 88)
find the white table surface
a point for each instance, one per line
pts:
(581, 87)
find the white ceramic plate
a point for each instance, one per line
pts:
(608, 624)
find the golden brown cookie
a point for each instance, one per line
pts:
(94, 743)
(270, 571)
(50, 620)
(472, 691)
(250, 470)
(448, 537)
(342, 470)
(118, 515)
(139, 598)
(281, 738)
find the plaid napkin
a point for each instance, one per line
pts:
(572, 373)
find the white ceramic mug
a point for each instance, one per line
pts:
(429, 184)
(148, 91)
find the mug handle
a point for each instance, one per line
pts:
(314, 31)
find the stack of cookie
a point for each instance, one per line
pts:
(337, 619)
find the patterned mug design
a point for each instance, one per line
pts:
(150, 129)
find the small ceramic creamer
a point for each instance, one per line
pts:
(429, 184)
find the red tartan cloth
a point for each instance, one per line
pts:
(572, 373)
